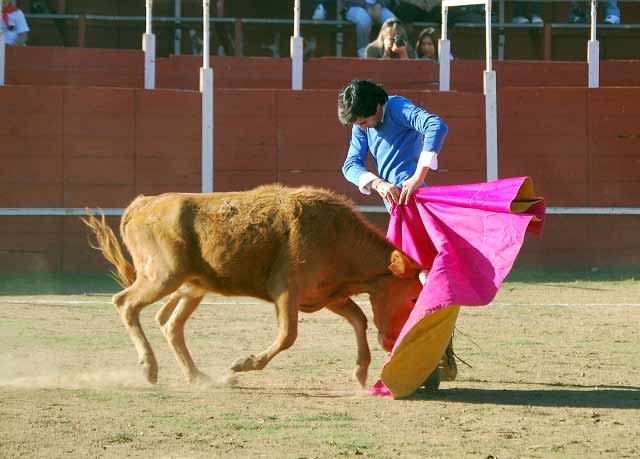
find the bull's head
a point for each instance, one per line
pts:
(394, 296)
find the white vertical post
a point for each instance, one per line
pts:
(206, 88)
(444, 52)
(2, 57)
(491, 120)
(177, 38)
(490, 100)
(149, 48)
(593, 51)
(296, 49)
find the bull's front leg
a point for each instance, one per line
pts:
(287, 311)
(358, 321)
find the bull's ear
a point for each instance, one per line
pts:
(403, 266)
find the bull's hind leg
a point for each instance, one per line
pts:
(287, 311)
(358, 321)
(171, 319)
(129, 303)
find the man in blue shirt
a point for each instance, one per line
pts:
(403, 139)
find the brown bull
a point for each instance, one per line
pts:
(303, 249)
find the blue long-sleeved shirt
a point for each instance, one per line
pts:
(396, 143)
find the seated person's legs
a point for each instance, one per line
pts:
(362, 20)
(385, 14)
(611, 12)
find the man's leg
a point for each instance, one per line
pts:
(386, 14)
(611, 12)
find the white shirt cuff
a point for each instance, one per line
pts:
(364, 182)
(428, 159)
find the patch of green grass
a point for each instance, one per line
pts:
(230, 416)
(323, 417)
(532, 275)
(119, 438)
(54, 421)
(350, 441)
(60, 283)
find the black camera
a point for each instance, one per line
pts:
(398, 41)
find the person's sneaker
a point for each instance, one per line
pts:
(577, 17)
(535, 19)
(520, 20)
(612, 19)
(320, 13)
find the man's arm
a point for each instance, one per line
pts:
(430, 125)
(353, 168)
(434, 131)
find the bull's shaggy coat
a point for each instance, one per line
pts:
(301, 248)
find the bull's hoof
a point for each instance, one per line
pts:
(150, 371)
(361, 375)
(199, 378)
(244, 364)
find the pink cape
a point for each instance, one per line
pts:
(468, 236)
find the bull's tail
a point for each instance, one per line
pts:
(107, 243)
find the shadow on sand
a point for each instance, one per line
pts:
(555, 395)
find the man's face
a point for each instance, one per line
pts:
(370, 121)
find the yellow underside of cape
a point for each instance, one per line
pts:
(419, 352)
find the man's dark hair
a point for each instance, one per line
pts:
(359, 99)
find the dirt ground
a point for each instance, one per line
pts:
(555, 374)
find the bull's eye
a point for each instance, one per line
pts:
(414, 300)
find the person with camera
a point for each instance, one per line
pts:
(14, 25)
(392, 43)
(365, 13)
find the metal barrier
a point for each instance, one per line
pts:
(338, 25)
(178, 21)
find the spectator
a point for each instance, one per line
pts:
(392, 42)
(14, 24)
(427, 45)
(319, 11)
(533, 8)
(611, 12)
(363, 13)
(418, 10)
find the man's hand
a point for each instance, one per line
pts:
(411, 185)
(385, 189)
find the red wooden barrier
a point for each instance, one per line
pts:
(78, 146)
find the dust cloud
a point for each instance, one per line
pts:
(43, 372)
